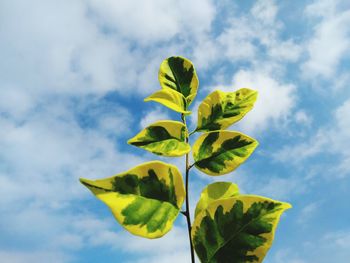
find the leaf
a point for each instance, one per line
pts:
(179, 74)
(236, 230)
(215, 191)
(165, 138)
(221, 152)
(220, 110)
(145, 200)
(171, 99)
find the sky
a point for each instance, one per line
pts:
(73, 76)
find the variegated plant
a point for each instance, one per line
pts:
(146, 200)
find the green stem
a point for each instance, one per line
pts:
(192, 132)
(187, 211)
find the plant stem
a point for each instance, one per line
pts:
(192, 132)
(187, 211)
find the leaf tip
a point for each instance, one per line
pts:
(130, 141)
(84, 181)
(287, 206)
(256, 143)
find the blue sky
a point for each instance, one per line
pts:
(73, 75)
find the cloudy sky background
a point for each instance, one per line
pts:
(73, 75)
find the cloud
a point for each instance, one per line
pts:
(274, 104)
(265, 11)
(251, 37)
(156, 21)
(329, 45)
(331, 246)
(329, 139)
(77, 52)
(45, 155)
(303, 118)
(339, 239)
(173, 246)
(154, 115)
(308, 211)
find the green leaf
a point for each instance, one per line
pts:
(215, 191)
(239, 229)
(178, 73)
(145, 200)
(220, 110)
(165, 138)
(220, 152)
(171, 99)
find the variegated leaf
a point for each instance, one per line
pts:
(171, 99)
(220, 110)
(178, 73)
(165, 138)
(220, 152)
(145, 200)
(236, 230)
(215, 191)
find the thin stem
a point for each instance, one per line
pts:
(187, 211)
(192, 132)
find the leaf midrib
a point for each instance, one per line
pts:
(111, 191)
(177, 83)
(216, 154)
(149, 142)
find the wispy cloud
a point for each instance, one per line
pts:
(329, 45)
(327, 140)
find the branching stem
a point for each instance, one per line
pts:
(186, 213)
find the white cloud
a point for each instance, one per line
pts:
(45, 155)
(172, 246)
(252, 37)
(329, 45)
(308, 212)
(301, 117)
(332, 246)
(265, 11)
(330, 139)
(341, 83)
(274, 104)
(285, 51)
(237, 41)
(339, 239)
(73, 52)
(157, 20)
(275, 185)
(154, 115)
